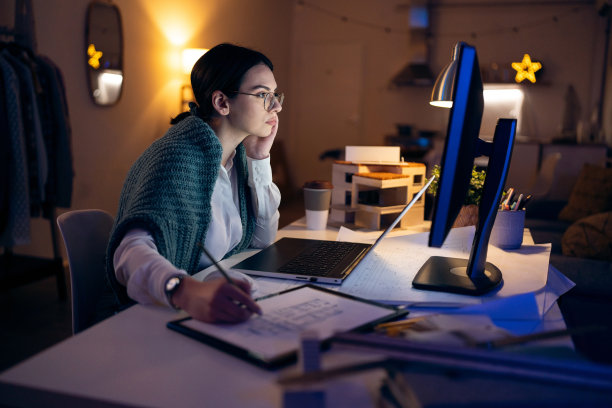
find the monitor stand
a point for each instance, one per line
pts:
(475, 276)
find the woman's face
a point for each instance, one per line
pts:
(247, 112)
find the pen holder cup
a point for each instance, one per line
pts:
(507, 232)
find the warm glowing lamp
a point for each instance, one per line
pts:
(188, 59)
(190, 56)
(442, 93)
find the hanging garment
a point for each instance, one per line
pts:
(53, 110)
(35, 146)
(17, 231)
(5, 173)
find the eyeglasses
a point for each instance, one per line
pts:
(268, 98)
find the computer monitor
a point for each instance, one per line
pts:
(473, 276)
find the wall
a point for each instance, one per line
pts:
(107, 140)
(568, 38)
(347, 65)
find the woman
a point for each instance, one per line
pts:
(208, 182)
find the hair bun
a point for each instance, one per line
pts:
(194, 109)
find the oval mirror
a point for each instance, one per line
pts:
(104, 53)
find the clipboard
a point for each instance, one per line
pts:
(273, 339)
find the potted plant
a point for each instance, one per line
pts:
(469, 212)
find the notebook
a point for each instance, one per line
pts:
(314, 260)
(274, 338)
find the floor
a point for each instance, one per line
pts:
(32, 318)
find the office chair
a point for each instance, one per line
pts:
(86, 234)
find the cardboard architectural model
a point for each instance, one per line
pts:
(369, 192)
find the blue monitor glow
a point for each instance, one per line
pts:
(473, 276)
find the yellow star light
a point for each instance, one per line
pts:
(94, 61)
(526, 69)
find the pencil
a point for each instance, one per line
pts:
(222, 270)
(395, 328)
(219, 267)
(506, 202)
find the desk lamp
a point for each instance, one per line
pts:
(442, 93)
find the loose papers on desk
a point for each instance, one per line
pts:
(526, 290)
(388, 272)
(386, 275)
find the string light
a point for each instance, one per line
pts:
(515, 29)
(346, 19)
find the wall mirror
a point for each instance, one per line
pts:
(104, 52)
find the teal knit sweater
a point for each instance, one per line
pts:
(168, 192)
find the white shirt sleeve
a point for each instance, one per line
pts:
(144, 272)
(141, 269)
(266, 199)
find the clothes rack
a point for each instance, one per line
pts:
(16, 269)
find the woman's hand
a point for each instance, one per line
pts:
(216, 300)
(259, 147)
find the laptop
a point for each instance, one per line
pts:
(314, 260)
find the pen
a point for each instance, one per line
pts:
(526, 200)
(223, 272)
(508, 197)
(518, 203)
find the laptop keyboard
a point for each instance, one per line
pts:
(319, 260)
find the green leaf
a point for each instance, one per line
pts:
(475, 189)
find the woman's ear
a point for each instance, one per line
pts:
(220, 103)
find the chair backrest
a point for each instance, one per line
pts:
(545, 177)
(86, 234)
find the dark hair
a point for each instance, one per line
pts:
(221, 68)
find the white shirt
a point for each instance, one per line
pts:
(144, 272)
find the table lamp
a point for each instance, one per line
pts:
(442, 93)
(189, 57)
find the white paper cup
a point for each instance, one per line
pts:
(507, 232)
(316, 220)
(317, 198)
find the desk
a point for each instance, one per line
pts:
(132, 359)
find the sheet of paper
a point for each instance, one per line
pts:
(387, 273)
(286, 316)
(556, 285)
(522, 313)
(455, 330)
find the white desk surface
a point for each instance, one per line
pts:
(133, 359)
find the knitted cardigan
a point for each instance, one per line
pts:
(168, 192)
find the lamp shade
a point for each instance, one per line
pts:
(442, 93)
(190, 56)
